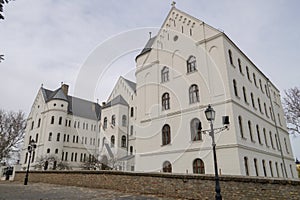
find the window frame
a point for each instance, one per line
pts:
(165, 101)
(166, 134)
(165, 74)
(191, 64)
(194, 94)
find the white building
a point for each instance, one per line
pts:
(157, 124)
(63, 127)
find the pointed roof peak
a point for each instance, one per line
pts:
(173, 4)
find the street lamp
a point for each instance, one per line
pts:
(210, 116)
(31, 148)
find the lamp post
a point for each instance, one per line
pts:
(31, 148)
(210, 116)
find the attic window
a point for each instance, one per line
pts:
(54, 104)
(62, 105)
(175, 38)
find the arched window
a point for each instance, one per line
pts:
(271, 168)
(194, 93)
(266, 111)
(166, 134)
(50, 136)
(276, 167)
(252, 100)
(131, 150)
(32, 125)
(164, 74)
(265, 137)
(198, 166)
(259, 106)
(241, 126)
(60, 120)
(286, 147)
(260, 84)
(48, 150)
(105, 123)
(264, 167)
(230, 57)
(57, 137)
(36, 137)
(165, 99)
(39, 123)
(113, 120)
(271, 139)
(52, 120)
(46, 165)
(131, 130)
(291, 169)
(255, 166)
(258, 134)
(248, 75)
(245, 95)
(123, 141)
(56, 151)
(112, 141)
(254, 79)
(250, 130)
(246, 166)
(235, 88)
(191, 64)
(131, 111)
(240, 66)
(167, 167)
(196, 128)
(124, 120)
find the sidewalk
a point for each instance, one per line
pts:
(42, 191)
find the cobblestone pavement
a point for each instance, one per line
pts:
(42, 191)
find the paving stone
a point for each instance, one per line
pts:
(43, 191)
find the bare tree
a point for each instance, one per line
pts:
(2, 2)
(51, 162)
(12, 130)
(291, 103)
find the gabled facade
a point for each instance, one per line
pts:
(187, 66)
(63, 127)
(117, 150)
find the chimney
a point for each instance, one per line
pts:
(65, 89)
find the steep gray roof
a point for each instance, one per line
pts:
(147, 47)
(76, 106)
(117, 100)
(131, 84)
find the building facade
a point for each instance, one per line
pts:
(187, 66)
(158, 124)
(65, 129)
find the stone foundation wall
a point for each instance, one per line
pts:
(172, 185)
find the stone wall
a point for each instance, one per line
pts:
(172, 185)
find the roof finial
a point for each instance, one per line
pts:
(97, 101)
(61, 83)
(150, 34)
(42, 85)
(173, 3)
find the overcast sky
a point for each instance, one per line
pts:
(48, 41)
